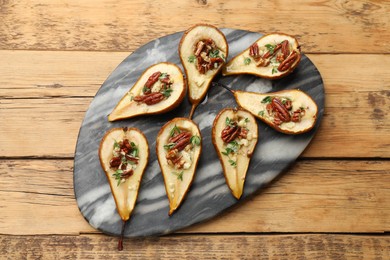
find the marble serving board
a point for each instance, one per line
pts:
(209, 194)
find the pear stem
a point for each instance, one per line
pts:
(219, 84)
(120, 242)
(192, 110)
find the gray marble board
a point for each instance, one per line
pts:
(209, 194)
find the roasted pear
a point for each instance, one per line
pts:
(160, 88)
(178, 149)
(203, 50)
(124, 154)
(235, 135)
(288, 111)
(272, 56)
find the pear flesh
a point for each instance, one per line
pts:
(124, 188)
(266, 65)
(236, 150)
(178, 148)
(129, 107)
(198, 80)
(303, 111)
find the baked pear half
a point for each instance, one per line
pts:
(235, 135)
(288, 111)
(272, 56)
(203, 50)
(160, 89)
(178, 149)
(124, 154)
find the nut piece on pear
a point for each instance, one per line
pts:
(235, 135)
(272, 56)
(203, 50)
(124, 154)
(288, 111)
(178, 148)
(159, 89)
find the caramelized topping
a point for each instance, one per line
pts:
(233, 136)
(156, 89)
(124, 160)
(207, 56)
(282, 111)
(180, 141)
(279, 56)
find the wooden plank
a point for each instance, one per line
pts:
(41, 127)
(59, 74)
(357, 108)
(55, 74)
(310, 246)
(49, 127)
(321, 26)
(36, 197)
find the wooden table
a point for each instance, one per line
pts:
(333, 203)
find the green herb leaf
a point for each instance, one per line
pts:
(247, 61)
(246, 120)
(232, 163)
(169, 146)
(135, 150)
(191, 59)
(123, 159)
(223, 57)
(118, 176)
(116, 145)
(195, 140)
(163, 75)
(145, 89)
(229, 122)
(179, 175)
(261, 113)
(167, 92)
(270, 48)
(267, 99)
(174, 130)
(234, 146)
(274, 70)
(214, 53)
(229, 150)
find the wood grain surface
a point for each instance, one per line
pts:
(306, 246)
(322, 26)
(310, 197)
(56, 105)
(333, 203)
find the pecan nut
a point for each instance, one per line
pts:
(229, 133)
(297, 115)
(254, 51)
(152, 79)
(150, 99)
(127, 174)
(115, 162)
(285, 49)
(173, 157)
(288, 62)
(281, 110)
(199, 48)
(178, 137)
(204, 60)
(180, 145)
